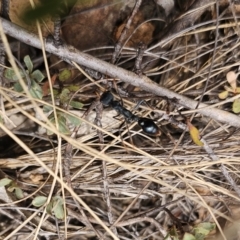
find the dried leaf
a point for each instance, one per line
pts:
(229, 89)
(237, 90)
(194, 133)
(18, 8)
(45, 87)
(232, 79)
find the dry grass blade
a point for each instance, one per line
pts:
(72, 169)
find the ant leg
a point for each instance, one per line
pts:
(97, 121)
(120, 127)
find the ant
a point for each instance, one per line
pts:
(148, 126)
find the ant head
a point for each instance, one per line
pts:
(106, 98)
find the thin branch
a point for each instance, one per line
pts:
(223, 169)
(72, 54)
(122, 37)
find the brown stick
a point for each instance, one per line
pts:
(72, 54)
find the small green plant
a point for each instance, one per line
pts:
(233, 89)
(64, 119)
(64, 96)
(199, 232)
(55, 206)
(35, 77)
(12, 187)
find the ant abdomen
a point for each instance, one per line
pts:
(149, 126)
(106, 98)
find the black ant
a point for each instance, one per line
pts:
(148, 126)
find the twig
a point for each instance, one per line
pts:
(224, 171)
(143, 82)
(138, 61)
(122, 37)
(99, 110)
(5, 9)
(57, 30)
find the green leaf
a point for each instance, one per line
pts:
(207, 225)
(37, 75)
(65, 75)
(236, 106)
(58, 207)
(36, 90)
(11, 75)
(5, 181)
(19, 193)
(73, 120)
(75, 104)
(39, 201)
(223, 95)
(203, 229)
(47, 108)
(64, 95)
(59, 211)
(28, 63)
(188, 236)
(73, 88)
(17, 87)
(49, 208)
(62, 124)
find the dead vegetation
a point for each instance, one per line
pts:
(71, 169)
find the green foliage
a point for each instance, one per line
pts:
(19, 193)
(75, 104)
(4, 182)
(62, 120)
(39, 201)
(64, 95)
(200, 232)
(55, 206)
(35, 78)
(12, 187)
(65, 75)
